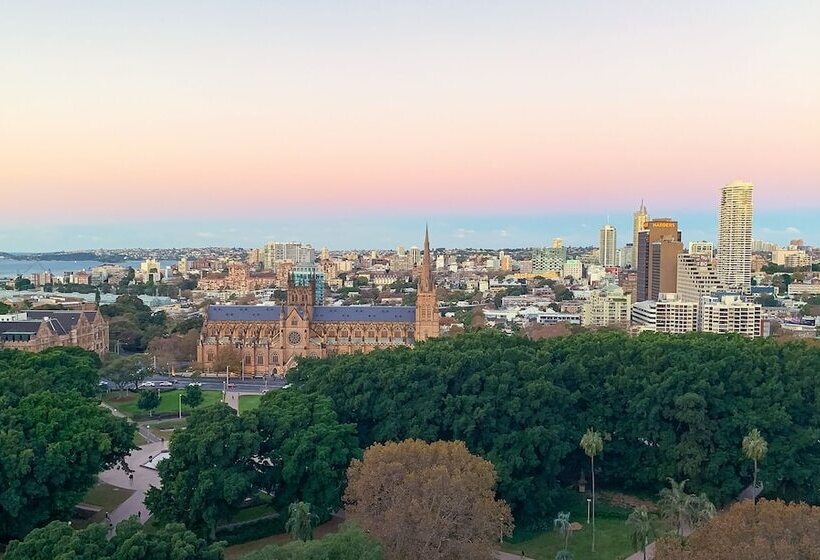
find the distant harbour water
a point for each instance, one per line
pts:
(10, 268)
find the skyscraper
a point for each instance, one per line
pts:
(735, 236)
(608, 244)
(658, 248)
(639, 220)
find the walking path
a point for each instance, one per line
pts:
(143, 478)
(507, 556)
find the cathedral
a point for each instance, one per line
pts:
(271, 338)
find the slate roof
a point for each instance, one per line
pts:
(19, 327)
(321, 314)
(67, 319)
(374, 314)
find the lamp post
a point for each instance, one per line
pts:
(589, 503)
(180, 406)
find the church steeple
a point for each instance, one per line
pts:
(427, 313)
(426, 276)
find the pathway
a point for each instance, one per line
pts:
(507, 556)
(143, 479)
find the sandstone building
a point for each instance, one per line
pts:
(37, 330)
(271, 338)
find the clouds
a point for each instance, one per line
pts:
(462, 233)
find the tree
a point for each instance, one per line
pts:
(211, 471)
(642, 527)
(52, 446)
(307, 447)
(21, 283)
(192, 396)
(58, 540)
(301, 521)
(349, 543)
(770, 529)
(563, 526)
(754, 448)
(174, 349)
(148, 400)
(427, 500)
(4, 308)
(228, 358)
(124, 371)
(682, 509)
(592, 444)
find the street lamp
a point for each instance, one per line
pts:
(589, 503)
(180, 405)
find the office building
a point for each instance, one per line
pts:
(696, 278)
(659, 245)
(734, 251)
(791, 258)
(728, 313)
(639, 220)
(607, 246)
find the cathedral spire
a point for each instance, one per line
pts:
(426, 277)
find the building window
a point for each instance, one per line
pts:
(247, 360)
(260, 360)
(210, 356)
(274, 358)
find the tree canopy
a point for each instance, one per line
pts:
(54, 436)
(668, 406)
(58, 541)
(772, 529)
(292, 447)
(349, 543)
(427, 500)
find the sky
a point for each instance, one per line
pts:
(352, 124)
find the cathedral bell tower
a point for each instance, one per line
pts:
(427, 314)
(302, 296)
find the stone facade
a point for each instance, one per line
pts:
(37, 330)
(272, 338)
(239, 278)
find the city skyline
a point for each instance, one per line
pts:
(159, 113)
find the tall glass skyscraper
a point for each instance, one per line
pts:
(734, 268)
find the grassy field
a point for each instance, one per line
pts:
(612, 540)
(169, 403)
(237, 551)
(248, 402)
(104, 496)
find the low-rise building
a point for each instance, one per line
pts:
(669, 314)
(37, 330)
(609, 307)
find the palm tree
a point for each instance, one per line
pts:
(674, 504)
(643, 526)
(684, 509)
(301, 521)
(755, 448)
(592, 444)
(562, 525)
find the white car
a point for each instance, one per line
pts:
(164, 384)
(194, 384)
(146, 384)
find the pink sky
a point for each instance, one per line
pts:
(531, 107)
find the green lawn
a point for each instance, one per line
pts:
(248, 402)
(103, 496)
(611, 542)
(169, 403)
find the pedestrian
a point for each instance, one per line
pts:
(139, 514)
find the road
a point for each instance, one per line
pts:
(248, 386)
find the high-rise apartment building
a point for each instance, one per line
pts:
(276, 252)
(659, 245)
(639, 220)
(730, 314)
(607, 246)
(696, 278)
(734, 252)
(701, 248)
(573, 268)
(669, 314)
(415, 255)
(549, 259)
